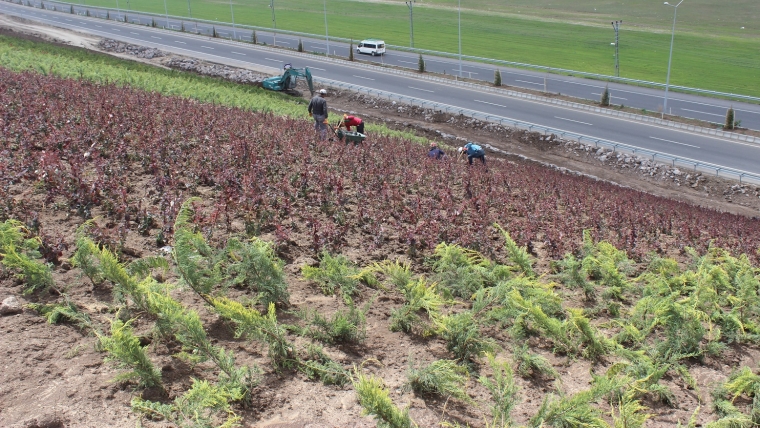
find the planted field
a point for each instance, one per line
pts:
(711, 51)
(232, 270)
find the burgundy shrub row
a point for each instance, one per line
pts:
(136, 156)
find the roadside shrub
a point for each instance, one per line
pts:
(497, 77)
(730, 121)
(421, 64)
(605, 100)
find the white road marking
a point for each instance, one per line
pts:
(317, 47)
(702, 112)
(113, 29)
(132, 32)
(492, 104)
(576, 121)
(271, 59)
(177, 41)
(406, 62)
(155, 37)
(99, 26)
(532, 83)
(361, 77)
(207, 47)
(67, 19)
(316, 68)
(237, 53)
(674, 142)
(620, 98)
(284, 43)
(420, 89)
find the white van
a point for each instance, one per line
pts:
(371, 46)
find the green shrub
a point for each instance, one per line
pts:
(463, 337)
(533, 365)
(442, 378)
(300, 46)
(334, 273)
(518, 255)
(375, 400)
(317, 365)
(421, 64)
(503, 392)
(730, 122)
(67, 311)
(343, 327)
(497, 77)
(420, 296)
(254, 264)
(124, 349)
(19, 254)
(605, 100)
(351, 50)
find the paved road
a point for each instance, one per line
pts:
(731, 154)
(686, 105)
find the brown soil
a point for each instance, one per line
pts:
(53, 376)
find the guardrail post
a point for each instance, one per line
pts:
(740, 178)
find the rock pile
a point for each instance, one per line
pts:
(237, 75)
(110, 45)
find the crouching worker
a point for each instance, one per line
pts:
(473, 151)
(349, 121)
(435, 152)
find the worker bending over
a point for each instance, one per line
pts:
(435, 152)
(473, 151)
(349, 121)
(318, 110)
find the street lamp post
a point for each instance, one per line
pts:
(274, 24)
(232, 13)
(118, 10)
(670, 58)
(166, 13)
(410, 4)
(459, 8)
(616, 27)
(190, 14)
(327, 36)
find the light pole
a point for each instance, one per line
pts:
(232, 13)
(327, 37)
(670, 58)
(166, 13)
(118, 10)
(616, 27)
(459, 8)
(190, 13)
(274, 24)
(410, 4)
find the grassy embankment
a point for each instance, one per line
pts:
(711, 50)
(18, 55)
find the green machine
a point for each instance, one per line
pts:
(287, 82)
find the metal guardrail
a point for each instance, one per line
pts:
(492, 61)
(504, 121)
(673, 160)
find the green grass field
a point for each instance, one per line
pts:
(711, 50)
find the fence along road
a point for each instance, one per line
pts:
(733, 158)
(630, 92)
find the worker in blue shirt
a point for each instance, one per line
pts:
(435, 152)
(473, 151)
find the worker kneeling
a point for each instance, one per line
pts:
(473, 151)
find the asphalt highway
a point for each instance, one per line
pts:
(698, 147)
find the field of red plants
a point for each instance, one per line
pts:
(102, 148)
(73, 151)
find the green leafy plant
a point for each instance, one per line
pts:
(125, 350)
(533, 365)
(375, 400)
(18, 253)
(202, 406)
(344, 326)
(334, 273)
(420, 296)
(463, 338)
(443, 378)
(67, 311)
(503, 392)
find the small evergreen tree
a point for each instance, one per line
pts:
(730, 122)
(71, 10)
(351, 51)
(87, 12)
(300, 45)
(253, 38)
(182, 27)
(213, 32)
(497, 78)
(421, 65)
(153, 23)
(605, 101)
(125, 18)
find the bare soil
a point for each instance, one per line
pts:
(53, 376)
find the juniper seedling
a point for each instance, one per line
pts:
(533, 365)
(317, 365)
(442, 378)
(19, 254)
(345, 326)
(255, 265)
(200, 407)
(334, 273)
(463, 338)
(518, 255)
(420, 296)
(67, 311)
(503, 392)
(125, 350)
(375, 400)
